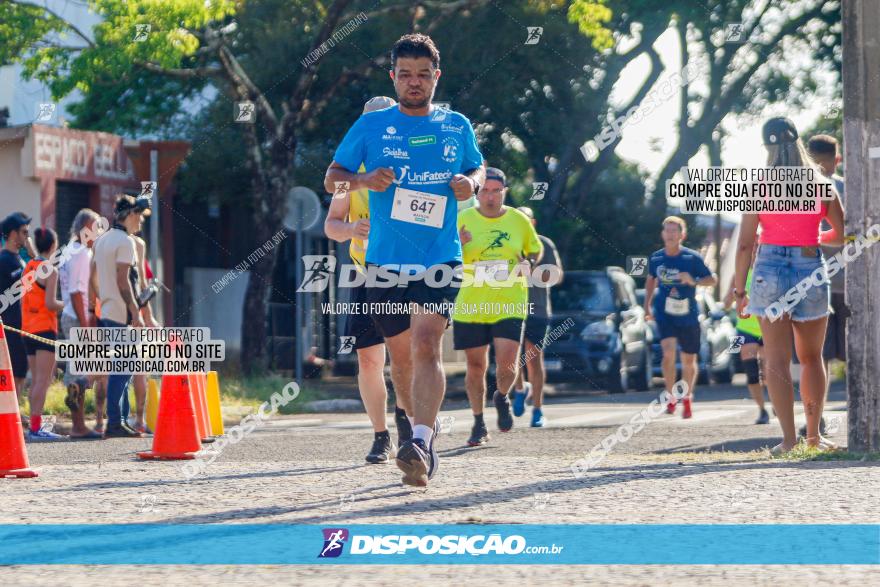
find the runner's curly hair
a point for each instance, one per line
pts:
(415, 45)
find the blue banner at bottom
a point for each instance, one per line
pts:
(280, 544)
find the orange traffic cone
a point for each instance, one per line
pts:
(201, 408)
(215, 413)
(177, 435)
(203, 387)
(13, 457)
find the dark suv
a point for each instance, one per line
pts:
(600, 332)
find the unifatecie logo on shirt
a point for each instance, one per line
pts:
(423, 178)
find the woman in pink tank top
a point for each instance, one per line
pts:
(790, 287)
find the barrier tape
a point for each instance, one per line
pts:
(851, 238)
(29, 335)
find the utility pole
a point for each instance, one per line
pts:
(861, 132)
(715, 161)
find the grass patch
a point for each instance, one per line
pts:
(802, 452)
(237, 394)
(706, 457)
(250, 392)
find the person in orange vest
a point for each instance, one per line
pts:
(39, 316)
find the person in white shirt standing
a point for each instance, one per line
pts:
(110, 278)
(74, 278)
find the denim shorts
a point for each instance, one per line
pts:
(789, 280)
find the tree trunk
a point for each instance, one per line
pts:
(270, 206)
(861, 131)
(255, 313)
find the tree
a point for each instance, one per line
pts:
(747, 75)
(134, 77)
(557, 97)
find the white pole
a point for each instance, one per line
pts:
(155, 244)
(299, 299)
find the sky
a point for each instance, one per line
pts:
(742, 146)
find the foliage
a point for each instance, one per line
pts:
(534, 106)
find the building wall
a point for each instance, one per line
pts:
(17, 193)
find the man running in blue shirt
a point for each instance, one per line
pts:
(418, 160)
(674, 272)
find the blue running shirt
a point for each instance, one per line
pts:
(666, 269)
(425, 152)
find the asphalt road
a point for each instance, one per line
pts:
(310, 470)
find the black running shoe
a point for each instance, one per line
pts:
(121, 431)
(763, 418)
(382, 449)
(404, 428)
(416, 462)
(479, 434)
(505, 414)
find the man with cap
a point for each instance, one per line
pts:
(348, 219)
(499, 247)
(16, 232)
(536, 330)
(110, 278)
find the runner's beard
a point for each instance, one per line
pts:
(406, 102)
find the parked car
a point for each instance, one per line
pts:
(601, 333)
(717, 330)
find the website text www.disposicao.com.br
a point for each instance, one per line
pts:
(336, 540)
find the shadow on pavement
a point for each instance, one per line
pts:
(598, 477)
(464, 449)
(739, 445)
(256, 474)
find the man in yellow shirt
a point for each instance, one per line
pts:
(499, 247)
(349, 219)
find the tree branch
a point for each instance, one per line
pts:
(312, 109)
(717, 106)
(578, 136)
(247, 88)
(309, 73)
(734, 90)
(443, 8)
(54, 15)
(683, 115)
(607, 155)
(181, 73)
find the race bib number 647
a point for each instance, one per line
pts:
(418, 207)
